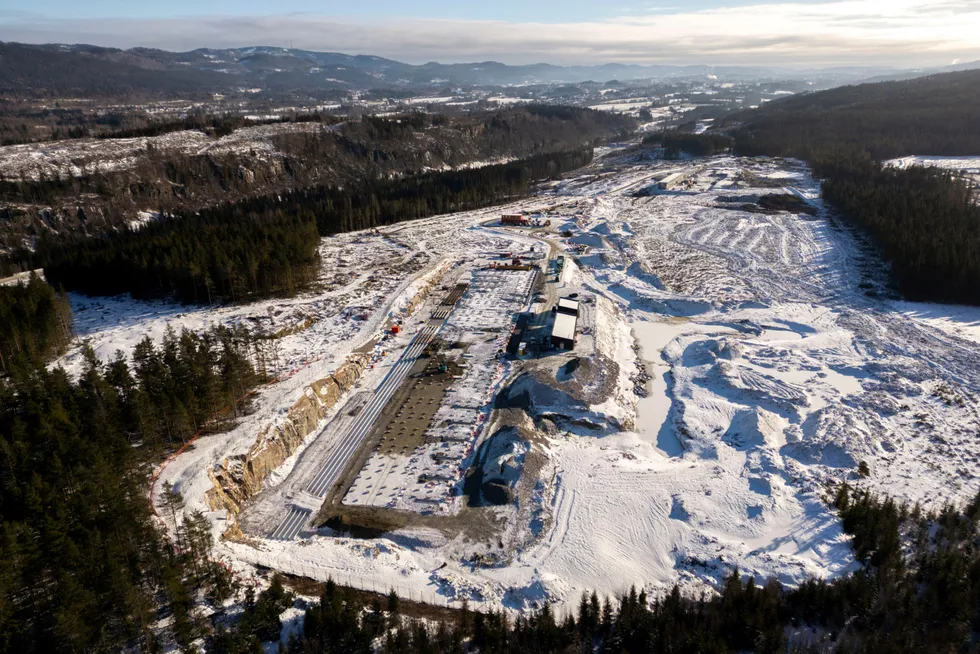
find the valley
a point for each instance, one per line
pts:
(484, 328)
(778, 363)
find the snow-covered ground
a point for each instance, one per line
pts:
(971, 164)
(968, 167)
(360, 274)
(778, 363)
(76, 157)
(21, 277)
(418, 481)
(623, 105)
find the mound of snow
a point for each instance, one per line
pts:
(754, 428)
(590, 239)
(544, 589)
(637, 270)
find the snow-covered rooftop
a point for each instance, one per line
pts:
(564, 326)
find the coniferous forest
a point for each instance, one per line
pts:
(200, 258)
(267, 245)
(83, 562)
(698, 145)
(35, 324)
(937, 115)
(384, 202)
(922, 220)
(167, 177)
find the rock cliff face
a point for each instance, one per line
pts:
(423, 291)
(239, 477)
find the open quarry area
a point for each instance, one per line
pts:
(652, 376)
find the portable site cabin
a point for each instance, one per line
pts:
(568, 305)
(563, 332)
(514, 219)
(566, 323)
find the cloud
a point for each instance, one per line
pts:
(872, 32)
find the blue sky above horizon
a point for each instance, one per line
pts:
(798, 33)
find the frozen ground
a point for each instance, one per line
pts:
(419, 480)
(969, 167)
(778, 363)
(75, 157)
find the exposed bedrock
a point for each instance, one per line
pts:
(241, 476)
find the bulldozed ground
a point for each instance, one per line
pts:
(399, 429)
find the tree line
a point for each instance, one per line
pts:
(698, 145)
(925, 221)
(268, 245)
(373, 203)
(923, 597)
(93, 201)
(115, 126)
(35, 324)
(937, 115)
(200, 258)
(31, 125)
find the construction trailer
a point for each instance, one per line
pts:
(568, 305)
(517, 219)
(566, 324)
(563, 331)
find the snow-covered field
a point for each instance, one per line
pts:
(361, 273)
(968, 167)
(76, 157)
(971, 164)
(623, 105)
(778, 363)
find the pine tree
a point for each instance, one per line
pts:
(172, 503)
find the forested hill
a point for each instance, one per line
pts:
(938, 114)
(923, 220)
(109, 181)
(268, 245)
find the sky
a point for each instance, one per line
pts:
(793, 33)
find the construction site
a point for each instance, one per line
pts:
(652, 385)
(399, 453)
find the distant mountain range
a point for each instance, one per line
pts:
(86, 70)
